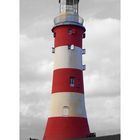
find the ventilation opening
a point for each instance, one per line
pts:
(70, 32)
(53, 50)
(84, 67)
(71, 47)
(83, 51)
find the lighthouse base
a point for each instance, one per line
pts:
(65, 128)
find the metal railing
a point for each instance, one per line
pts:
(68, 18)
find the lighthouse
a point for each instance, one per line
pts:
(67, 118)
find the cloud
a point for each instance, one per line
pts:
(32, 109)
(103, 114)
(34, 11)
(35, 59)
(40, 28)
(100, 9)
(102, 77)
(32, 127)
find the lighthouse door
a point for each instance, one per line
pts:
(65, 111)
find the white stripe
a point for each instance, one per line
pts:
(68, 58)
(67, 104)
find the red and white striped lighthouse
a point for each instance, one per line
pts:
(67, 117)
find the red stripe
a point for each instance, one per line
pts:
(68, 35)
(64, 128)
(61, 80)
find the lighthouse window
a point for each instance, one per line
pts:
(65, 111)
(72, 81)
(69, 6)
(69, 2)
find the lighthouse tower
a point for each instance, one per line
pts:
(67, 119)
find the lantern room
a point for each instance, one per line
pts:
(69, 6)
(68, 13)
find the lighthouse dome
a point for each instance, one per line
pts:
(68, 13)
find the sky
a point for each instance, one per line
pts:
(102, 59)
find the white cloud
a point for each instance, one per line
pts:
(102, 85)
(35, 55)
(102, 76)
(45, 67)
(103, 114)
(39, 29)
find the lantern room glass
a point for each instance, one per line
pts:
(69, 6)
